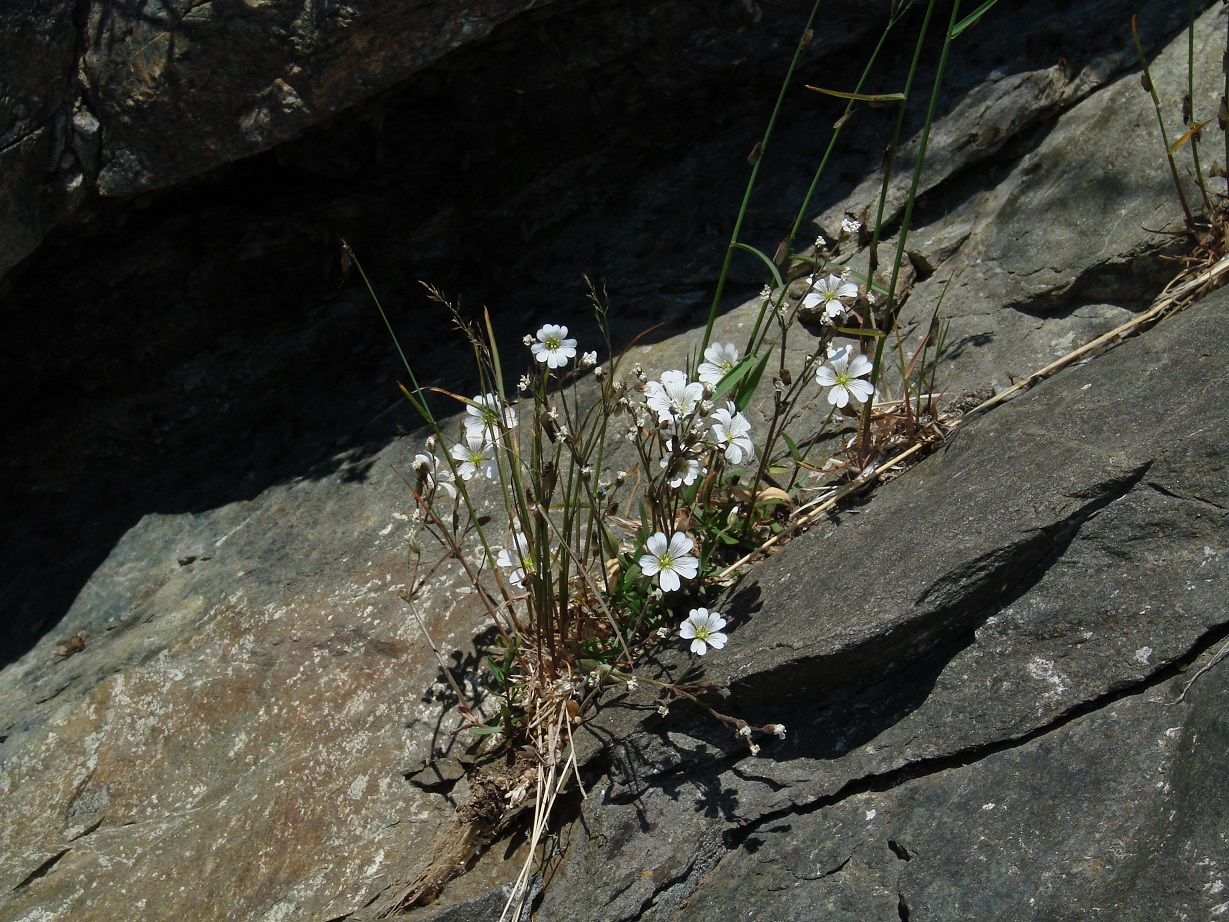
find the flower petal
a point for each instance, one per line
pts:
(860, 366)
(680, 544)
(686, 567)
(861, 390)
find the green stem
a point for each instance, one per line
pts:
(755, 168)
(890, 306)
(1156, 104)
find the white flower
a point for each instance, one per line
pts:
(588, 360)
(434, 476)
(553, 347)
(827, 294)
(778, 730)
(691, 469)
(483, 417)
(668, 560)
(477, 455)
(731, 431)
(703, 629)
(719, 362)
(850, 226)
(843, 377)
(514, 558)
(673, 397)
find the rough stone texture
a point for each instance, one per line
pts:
(184, 87)
(1021, 290)
(224, 541)
(40, 41)
(995, 704)
(137, 97)
(123, 98)
(191, 349)
(240, 712)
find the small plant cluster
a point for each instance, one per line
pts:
(1205, 224)
(599, 510)
(626, 498)
(598, 563)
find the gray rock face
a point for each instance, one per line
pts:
(36, 128)
(118, 100)
(126, 98)
(183, 88)
(982, 727)
(235, 710)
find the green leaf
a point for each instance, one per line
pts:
(971, 20)
(877, 99)
(485, 730)
(736, 374)
(747, 391)
(420, 406)
(793, 449)
(772, 267)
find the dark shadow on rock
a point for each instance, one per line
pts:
(191, 348)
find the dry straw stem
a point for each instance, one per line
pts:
(1178, 294)
(552, 776)
(1219, 655)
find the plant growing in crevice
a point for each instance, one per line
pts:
(1206, 227)
(599, 509)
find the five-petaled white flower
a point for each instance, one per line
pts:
(668, 560)
(690, 470)
(703, 629)
(731, 432)
(719, 362)
(516, 557)
(553, 347)
(482, 416)
(432, 475)
(477, 456)
(827, 294)
(673, 398)
(843, 377)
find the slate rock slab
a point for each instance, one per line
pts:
(1039, 586)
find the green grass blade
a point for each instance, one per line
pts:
(772, 267)
(736, 374)
(743, 397)
(971, 20)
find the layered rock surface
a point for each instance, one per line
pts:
(984, 722)
(980, 674)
